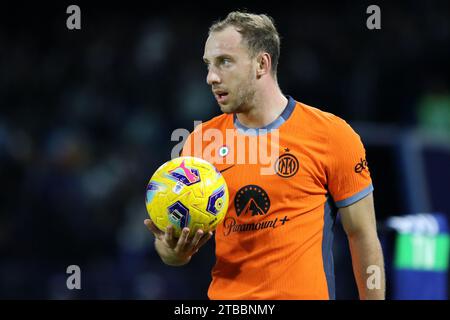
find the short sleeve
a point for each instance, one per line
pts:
(348, 175)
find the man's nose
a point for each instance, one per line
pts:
(212, 78)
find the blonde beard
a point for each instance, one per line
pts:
(245, 98)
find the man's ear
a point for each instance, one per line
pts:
(264, 64)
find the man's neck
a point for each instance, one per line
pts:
(266, 108)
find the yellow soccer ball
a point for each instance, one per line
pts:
(187, 192)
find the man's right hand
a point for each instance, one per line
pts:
(173, 251)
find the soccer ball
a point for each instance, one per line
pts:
(187, 192)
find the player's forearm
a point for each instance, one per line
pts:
(368, 266)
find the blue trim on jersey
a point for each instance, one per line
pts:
(329, 216)
(354, 198)
(284, 116)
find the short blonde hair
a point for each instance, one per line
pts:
(257, 30)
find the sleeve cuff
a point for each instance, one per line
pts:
(354, 198)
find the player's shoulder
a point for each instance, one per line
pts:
(327, 120)
(318, 116)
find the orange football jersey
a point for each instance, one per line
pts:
(276, 239)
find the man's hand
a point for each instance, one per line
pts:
(173, 251)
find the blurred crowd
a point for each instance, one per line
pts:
(86, 117)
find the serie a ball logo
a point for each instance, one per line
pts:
(187, 192)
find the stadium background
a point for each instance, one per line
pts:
(86, 117)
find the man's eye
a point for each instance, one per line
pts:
(226, 61)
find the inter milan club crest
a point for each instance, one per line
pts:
(287, 165)
(251, 200)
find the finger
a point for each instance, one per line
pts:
(183, 238)
(153, 228)
(203, 240)
(169, 238)
(196, 239)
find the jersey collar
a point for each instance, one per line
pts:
(284, 116)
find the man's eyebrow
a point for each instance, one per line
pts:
(222, 56)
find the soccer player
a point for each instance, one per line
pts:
(276, 239)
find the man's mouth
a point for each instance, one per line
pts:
(221, 96)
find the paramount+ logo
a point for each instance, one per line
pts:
(251, 202)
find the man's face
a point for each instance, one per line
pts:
(231, 71)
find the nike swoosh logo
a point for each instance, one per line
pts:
(222, 171)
